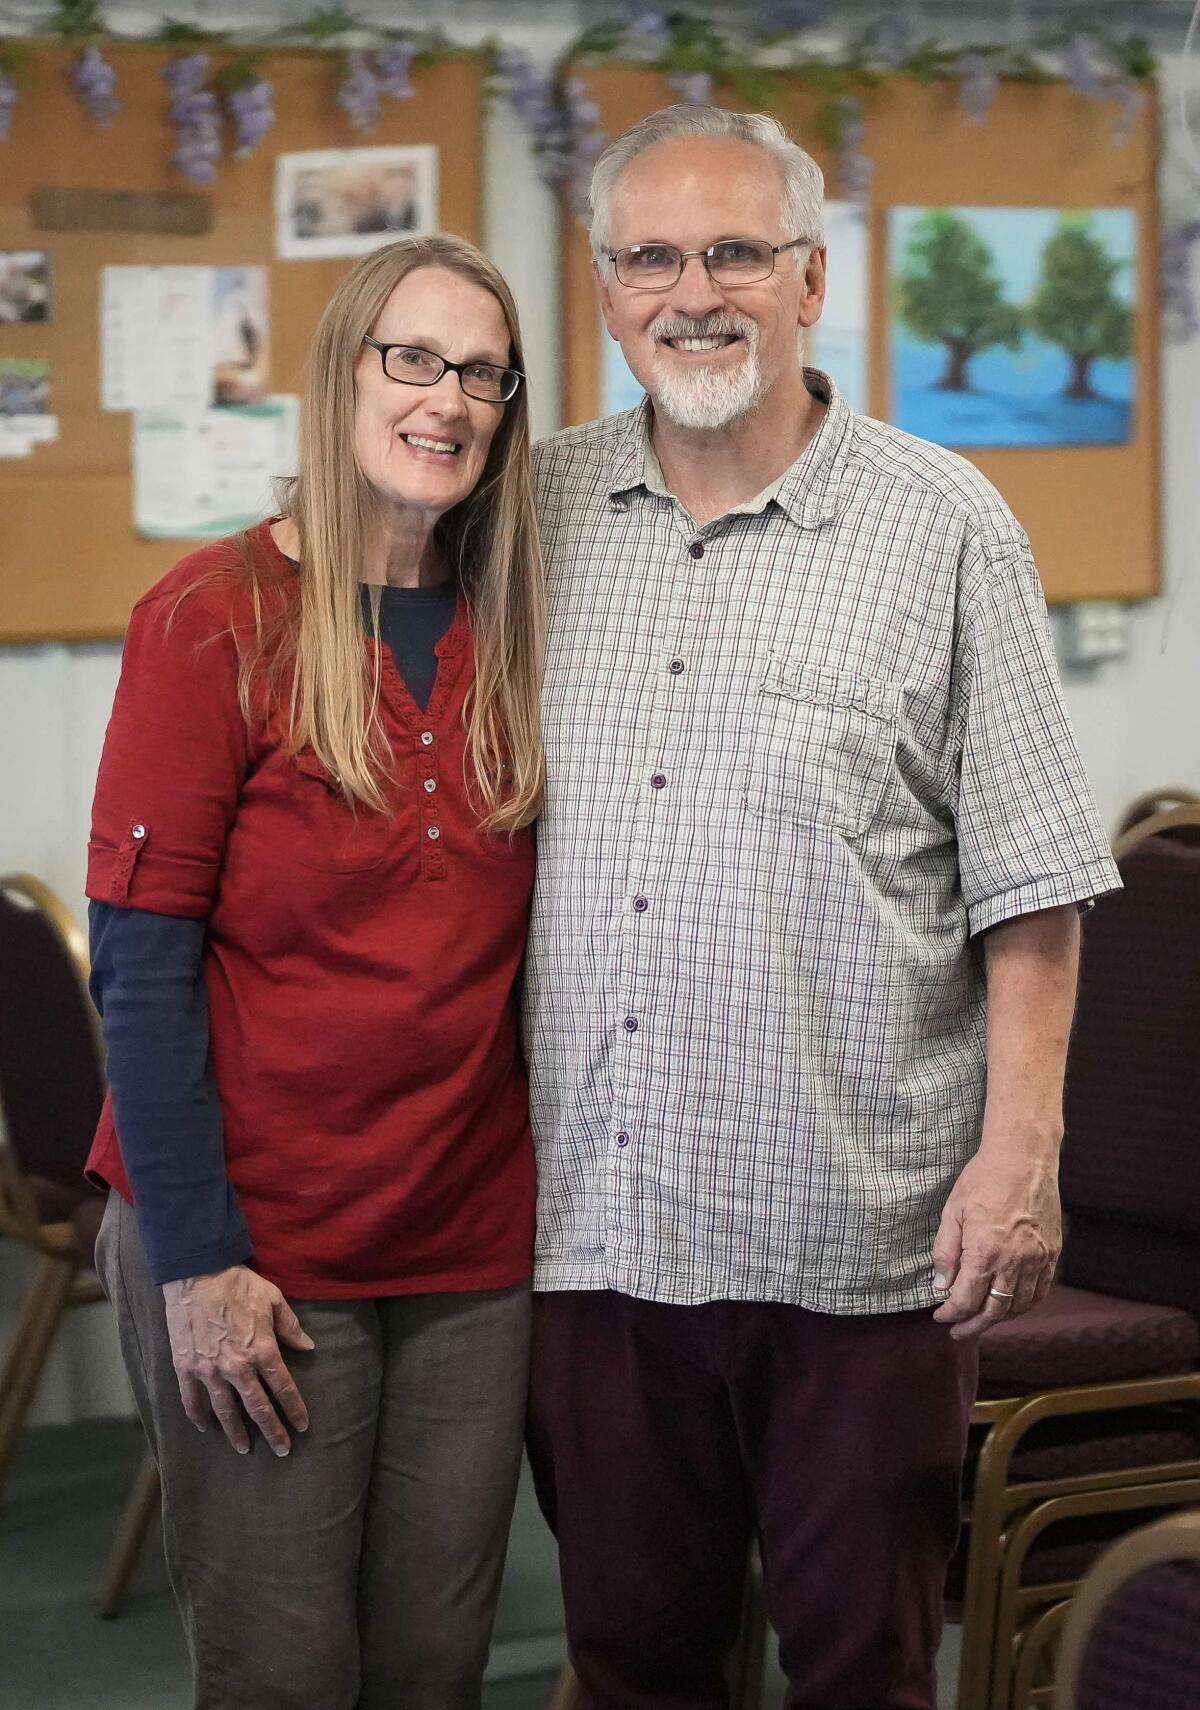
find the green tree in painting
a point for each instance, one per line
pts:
(1074, 303)
(949, 293)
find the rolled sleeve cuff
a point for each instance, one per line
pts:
(1056, 891)
(134, 875)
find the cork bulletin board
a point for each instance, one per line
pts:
(71, 563)
(1091, 510)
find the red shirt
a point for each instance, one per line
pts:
(360, 967)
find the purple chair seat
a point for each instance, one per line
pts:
(1068, 1550)
(1077, 1337)
(1082, 1444)
(1144, 1651)
(1064, 1552)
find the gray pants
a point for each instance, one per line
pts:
(361, 1571)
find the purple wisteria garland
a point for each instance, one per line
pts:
(250, 104)
(8, 96)
(368, 76)
(1178, 282)
(95, 83)
(195, 115)
(695, 55)
(562, 120)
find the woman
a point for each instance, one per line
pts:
(310, 867)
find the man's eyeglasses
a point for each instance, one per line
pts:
(733, 261)
(413, 366)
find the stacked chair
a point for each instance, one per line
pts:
(1088, 1418)
(51, 1091)
(1132, 1638)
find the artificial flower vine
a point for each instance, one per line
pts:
(215, 84)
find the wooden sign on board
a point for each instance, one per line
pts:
(177, 213)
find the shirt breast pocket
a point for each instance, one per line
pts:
(822, 746)
(335, 838)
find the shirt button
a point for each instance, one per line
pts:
(622, 1138)
(138, 831)
(430, 786)
(427, 738)
(697, 549)
(675, 667)
(658, 781)
(631, 1024)
(435, 831)
(641, 904)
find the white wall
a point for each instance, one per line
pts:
(1138, 720)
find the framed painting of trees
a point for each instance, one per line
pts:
(1013, 326)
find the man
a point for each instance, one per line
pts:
(812, 799)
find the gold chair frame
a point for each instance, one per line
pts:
(1151, 804)
(999, 1507)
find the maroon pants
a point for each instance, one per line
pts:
(663, 1438)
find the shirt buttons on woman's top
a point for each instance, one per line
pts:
(658, 781)
(435, 831)
(675, 667)
(427, 738)
(631, 1024)
(430, 786)
(622, 1138)
(697, 549)
(641, 904)
(138, 831)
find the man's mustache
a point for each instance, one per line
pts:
(715, 325)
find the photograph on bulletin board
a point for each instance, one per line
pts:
(24, 286)
(239, 335)
(837, 344)
(27, 414)
(1013, 326)
(348, 201)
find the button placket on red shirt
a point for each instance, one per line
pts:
(423, 727)
(433, 860)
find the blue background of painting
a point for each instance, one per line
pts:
(1015, 396)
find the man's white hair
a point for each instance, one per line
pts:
(802, 181)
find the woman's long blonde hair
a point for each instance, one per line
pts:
(309, 647)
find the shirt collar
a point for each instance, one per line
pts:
(808, 491)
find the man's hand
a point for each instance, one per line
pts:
(225, 1331)
(1001, 1230)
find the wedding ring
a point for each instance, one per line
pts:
(999, 1294)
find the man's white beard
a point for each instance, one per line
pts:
(706, 397)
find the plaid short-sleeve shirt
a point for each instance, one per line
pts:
(798, 759)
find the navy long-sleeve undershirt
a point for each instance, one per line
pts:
(148, 985)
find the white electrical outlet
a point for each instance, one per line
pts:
(1095, 630)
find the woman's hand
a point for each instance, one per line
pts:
(225, 1331)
